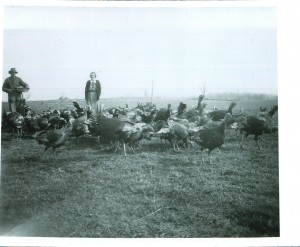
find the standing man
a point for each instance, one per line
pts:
(14, 86)
(92, 91)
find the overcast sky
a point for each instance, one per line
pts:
(180, 49)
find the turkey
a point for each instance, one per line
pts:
(159, 125)
(165, 134)
(66, 113)
(212, 137)
(31, 122)
(199, 105)
(79, 128)
(178, 132)
(263, 109)
(162, 131)
(56, 122)
(147, 132)
(181, 108)
(79, 110)
(139, 131)
(217, 115)
(163, 114)
(146, 116)
(15, 122)
(256, 125)
(54, 138)
(194, 114)
(18, 125)
(119, 111)
(43, 122)
(112, 129)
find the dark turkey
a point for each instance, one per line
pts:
(257, 125)
(220, 114)
(79, 128)
(212, 137)
(181, 108)
(112, 129)
(54, 138)
(163, 114)
(79, 110)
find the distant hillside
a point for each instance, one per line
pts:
(238, 96)
(221, 101)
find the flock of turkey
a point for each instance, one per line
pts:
(126, 127)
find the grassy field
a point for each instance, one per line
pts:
(85, 191)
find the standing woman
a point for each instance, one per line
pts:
(92, 91)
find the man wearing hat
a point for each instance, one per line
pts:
(14, 86)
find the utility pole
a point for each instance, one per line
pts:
(152, 92)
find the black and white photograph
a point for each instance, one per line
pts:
(140, 122)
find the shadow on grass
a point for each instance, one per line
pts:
(263, 223)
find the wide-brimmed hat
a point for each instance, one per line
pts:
(13, 70)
